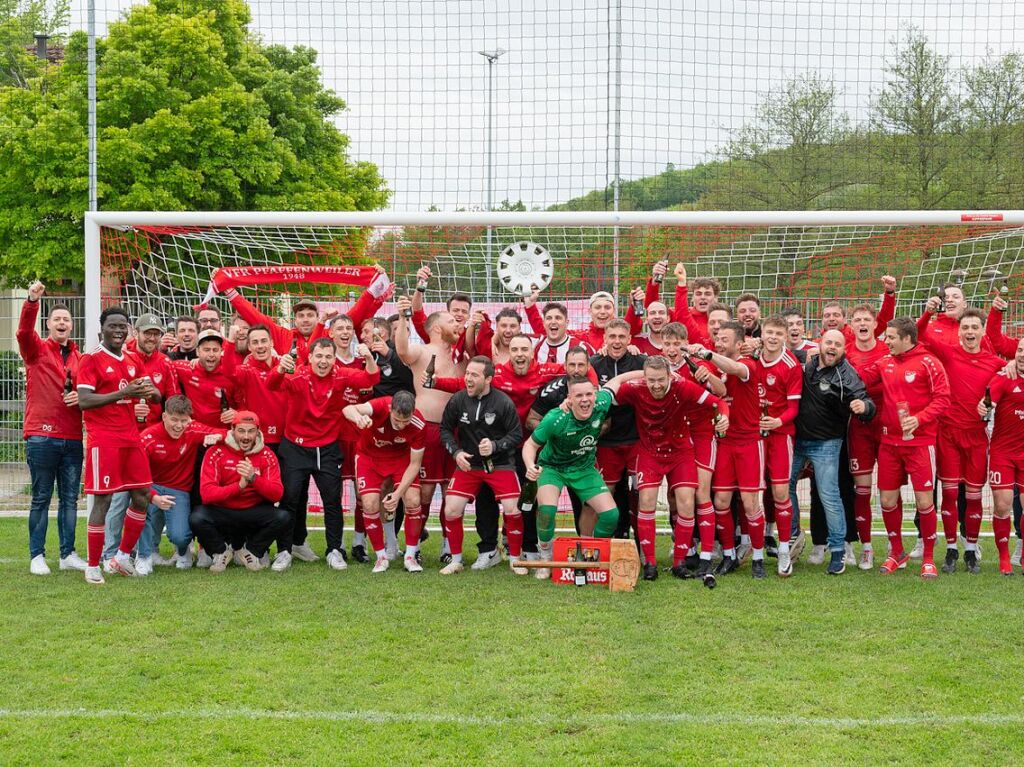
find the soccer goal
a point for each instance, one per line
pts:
(164, 262)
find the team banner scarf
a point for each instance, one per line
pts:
(230, 277)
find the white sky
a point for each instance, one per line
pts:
(691, 72)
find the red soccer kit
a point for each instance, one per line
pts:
(740, 461)
(384, 451)
(696, 322)
(205, 387)
(914, 381)
(114, 460)
(348, 434)
(46, 415)
(164, 377)
(782, 382)
(1006, 466)
(865, 439)
(700, 418)
(172, 461)
(314, 404)
(254, 394)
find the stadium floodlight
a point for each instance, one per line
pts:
(162, 261)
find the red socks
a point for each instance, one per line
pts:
(456, 532)
(94, 535)
(756, 527)
(514, 531)
(683, 539)
(134, 521)
(645, 532)
(862, 512)
(374, 530)
(928, 526)
(413, 526)
(706, 526)
(724, 528)
(1000, 528)
(950, 515)
(972, 519)
(784, 520)
(892, 517)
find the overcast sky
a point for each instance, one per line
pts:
(691, 72)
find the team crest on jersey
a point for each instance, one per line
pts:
(131, 370)
(399, 440)
(910, 375)
(489, 418)
(770, 379)
(158, 377)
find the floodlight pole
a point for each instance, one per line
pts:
(91, 76)
(492, 58)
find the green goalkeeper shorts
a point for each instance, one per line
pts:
(585, 482)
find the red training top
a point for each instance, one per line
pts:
(46, 415)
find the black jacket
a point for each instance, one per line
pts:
(492, 416)
(395, 375)
(622, 422)
(825, 400)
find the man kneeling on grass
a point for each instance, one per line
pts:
(240, 482)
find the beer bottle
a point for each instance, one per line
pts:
(407, 312)
(941, 295)
(989, 411)
(224, 404)
(421, 286)
(579, 576)
(527, 496)
(429, 372)
(488, 465)
(141, 419)
(716, 419)
(638, 307)
(1005, 289)
(764, 414)
(294, 351)
(658, 278)
(68, 385)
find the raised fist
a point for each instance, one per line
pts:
(680, 273)
(36, 290)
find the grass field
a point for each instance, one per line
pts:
(320, 668)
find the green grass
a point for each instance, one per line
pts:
(319, 668)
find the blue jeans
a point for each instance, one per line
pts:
(113, 525)
(824, 457)
(178, 531)
(53, 460)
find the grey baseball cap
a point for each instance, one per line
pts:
(148, 322)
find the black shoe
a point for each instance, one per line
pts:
(726, 566)
(971, 562)
(949, 566)
(757, 569)
(359, 554)
(692, 560)
(705, 574)
(837, 565)
(771, 546)
(424, 534)
(419, 558)
(682, 572)
(445, 558)
(650, 571)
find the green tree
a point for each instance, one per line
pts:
(791, 155)
(917, 116)
(194, 113)
(20, 21)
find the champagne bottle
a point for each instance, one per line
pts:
(527, 496)
(429, 372)
(579, 576)
(764, 414)
(690, 363)
(989, 412)
(704, 355)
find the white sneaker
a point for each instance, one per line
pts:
(334, 560)
(918, 551)
(161, 561)
(544, 552)
(452, 568)
(219, 562)
(487, 561)
(381, 564)
(73, 562)
(867, 559)
(265, 560)
(817, 555)
(249, 560)
(411, 565)
(94, 575)
(1018, 553)
(282, 561)
(849, 558)
(107, 568)
(38, 565)
(542, 574)
(796, 546)
(143, 566)
(518, 570)
(183, 561)
(306, 554)
(203, 559)
(237, 558)
(785, 563)
(121, 564)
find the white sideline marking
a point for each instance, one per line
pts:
(423, 717)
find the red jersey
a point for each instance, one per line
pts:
(254, 394)
(219, 481)
(104, 372)
(204, 389)
(314, 404)
(696, 322)
(1002, 345)
(662, 423)
(382, 442)
(783, 383)
(744, 398)
(861, 359)
(1008, 424)
(172, 461)
(646, 346)
(917, 379)
(46, 370)
(700, 416)
(968, 376)
(353, 395)
(161, 372)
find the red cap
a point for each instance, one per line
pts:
(246, 416)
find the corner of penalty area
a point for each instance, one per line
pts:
(609, 562)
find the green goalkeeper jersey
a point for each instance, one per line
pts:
(570, 443)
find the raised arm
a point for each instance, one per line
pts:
(1003, 345)
(29, 342)
(408, 353)
(282, 337)
(887, 310)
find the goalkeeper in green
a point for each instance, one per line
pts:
(560, 453)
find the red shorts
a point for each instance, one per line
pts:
(370, 474)
(1006, 471)
(862, 443)
(778, 458)
(113, 469)
(739, 465)
(705, 449)
(466, 484)
(613, 460)
(348, 459)
(438, 465)
(897, 462)
(679, 467)
(959, 462)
